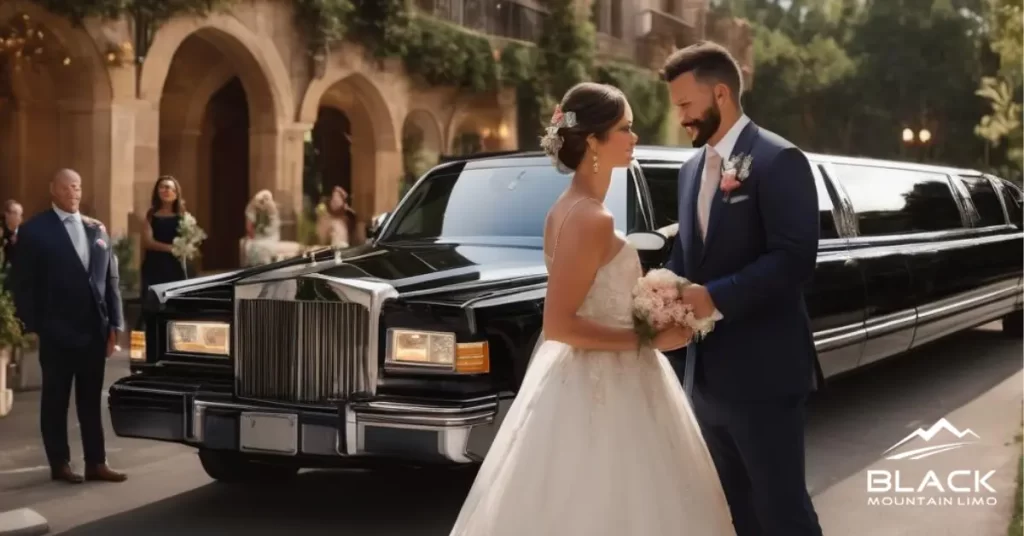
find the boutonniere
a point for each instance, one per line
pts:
(101, 243)
(735, 171)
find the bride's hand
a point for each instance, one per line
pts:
(673, 338)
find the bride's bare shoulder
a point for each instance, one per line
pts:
(577, 221)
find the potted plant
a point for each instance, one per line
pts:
(11, 338)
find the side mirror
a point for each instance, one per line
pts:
(647, 241)
(375, 224)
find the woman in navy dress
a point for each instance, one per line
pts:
(166, 209)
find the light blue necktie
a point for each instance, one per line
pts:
(77, 234)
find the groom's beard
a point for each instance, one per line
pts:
(706, 126)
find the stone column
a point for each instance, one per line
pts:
(389, 166)
(288, 187)
(147, 154)
(508, 129)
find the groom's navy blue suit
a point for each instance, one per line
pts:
(750, 376)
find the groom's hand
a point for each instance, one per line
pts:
(697, 296)
(673, 338)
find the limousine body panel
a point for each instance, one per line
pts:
(908, 254)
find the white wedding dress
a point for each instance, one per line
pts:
(598, 443)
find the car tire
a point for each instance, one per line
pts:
(1013, 324)
(232, 467)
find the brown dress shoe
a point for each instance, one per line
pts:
(65, 474)
(104, 473)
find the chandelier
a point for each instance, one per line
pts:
(26, 43)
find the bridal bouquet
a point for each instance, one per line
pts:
(658, 305)
(190, 235)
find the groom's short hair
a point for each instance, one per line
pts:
(709, 62)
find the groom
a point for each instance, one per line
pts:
(748, 234)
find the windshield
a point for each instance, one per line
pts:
(498, 202)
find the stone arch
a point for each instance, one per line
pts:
(425, 121)
(62, 94)
(422, 145)
(252, 55)
(221, 99)
(469, 136)
(372, 142)
(368, 95)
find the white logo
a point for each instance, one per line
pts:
(928, 435)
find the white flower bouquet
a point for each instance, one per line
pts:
(658, 305)
(190, 236)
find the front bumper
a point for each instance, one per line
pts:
(206, 415)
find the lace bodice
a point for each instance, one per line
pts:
(610, 298)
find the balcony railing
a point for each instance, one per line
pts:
(502, 18)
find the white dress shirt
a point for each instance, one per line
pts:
(711, 177)
(76, 231)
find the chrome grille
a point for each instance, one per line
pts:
(310, 352)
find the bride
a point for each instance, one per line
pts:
(600, 440)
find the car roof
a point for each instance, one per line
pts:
(679, 155)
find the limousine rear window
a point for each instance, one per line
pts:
(892, 201)
(496, 202)
(986, 201)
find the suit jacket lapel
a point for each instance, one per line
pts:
(62, 237)
(92, 233)
(743, 145)
(687, 208)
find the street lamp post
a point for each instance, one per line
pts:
(921, 139)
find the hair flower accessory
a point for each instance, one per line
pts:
(552, 141)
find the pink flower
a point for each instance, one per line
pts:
(557, 116)
(729, 181)
(101, 243)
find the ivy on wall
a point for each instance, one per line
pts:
(439, 53)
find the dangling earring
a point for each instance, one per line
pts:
(595, 164)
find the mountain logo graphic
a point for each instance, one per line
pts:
(927, 435)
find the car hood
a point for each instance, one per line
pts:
(449, 270)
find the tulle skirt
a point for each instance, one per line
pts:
(597, 444)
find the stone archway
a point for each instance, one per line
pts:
(55, 96)
(194, 76)
(422, 145)
(373, 172)
(220, 110)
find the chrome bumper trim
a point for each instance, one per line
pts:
(453, 425)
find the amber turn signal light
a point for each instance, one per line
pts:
(472, 358)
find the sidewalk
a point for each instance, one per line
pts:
(995, 417)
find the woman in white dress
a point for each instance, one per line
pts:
(263, 230)
(600, 440)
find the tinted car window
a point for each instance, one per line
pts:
(986, 201)
(826, 202)
(891, 201)
(1013, 202)
(663, 184)
(506, 202)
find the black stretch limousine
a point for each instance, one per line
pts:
(409, 349)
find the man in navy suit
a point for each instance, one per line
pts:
(748, 235)
(65, 285)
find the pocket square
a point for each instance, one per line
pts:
(738, 199)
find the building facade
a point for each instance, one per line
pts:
(232, 103)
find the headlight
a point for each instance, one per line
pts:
(213, 338)
(436, 350)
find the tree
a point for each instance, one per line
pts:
(1002, 91)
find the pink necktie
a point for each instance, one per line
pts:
(708, 186)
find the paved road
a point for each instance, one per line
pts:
(167, 492)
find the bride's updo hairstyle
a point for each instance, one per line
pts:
(586, 109)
